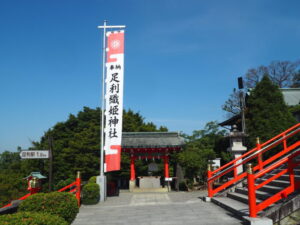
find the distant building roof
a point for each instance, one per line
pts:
(151, 140)
(231, 121)
(291, 96)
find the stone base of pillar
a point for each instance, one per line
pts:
(131, 185)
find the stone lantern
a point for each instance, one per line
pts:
(236, 146)
(34, 182)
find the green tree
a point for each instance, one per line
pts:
(282, 73)
(267, 113)
(12, 185)
(201, 146)
(77, 143)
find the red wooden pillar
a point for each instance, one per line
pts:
(166, 163)
(209, 182)
(132, 169)
(251, 191)
(78, 187)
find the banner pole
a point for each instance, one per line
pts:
(102, 182)
(102, 107)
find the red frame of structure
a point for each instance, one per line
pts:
(164, 155)
(268, 145)
(76, 190)
(255, 208)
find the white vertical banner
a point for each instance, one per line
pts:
(114, 99)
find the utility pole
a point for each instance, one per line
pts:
(242, 103)
(50, 162)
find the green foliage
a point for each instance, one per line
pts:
(12, 186)
(31, 218)
(182, 186)
(77, 143)
(76, 147)
(267, 113)
(63, 183)
(201, 147)
(93, 179)
(56, 203)
(90, 193)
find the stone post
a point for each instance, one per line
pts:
(236, 146)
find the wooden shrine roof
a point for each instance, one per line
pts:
(136, 140)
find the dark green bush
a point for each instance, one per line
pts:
(31, 218)
(63, 183)
(182, 186)
(90, 194)
(56, 203)
(93, 179)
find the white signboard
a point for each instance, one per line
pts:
(217, 162)
(34, 154)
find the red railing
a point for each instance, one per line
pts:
(74, 187)
(254, 154)
(22, 198)
(254, 208)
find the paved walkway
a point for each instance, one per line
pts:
(174, 208)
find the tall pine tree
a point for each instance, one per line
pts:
(267, 113)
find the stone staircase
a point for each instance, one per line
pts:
(236, 198)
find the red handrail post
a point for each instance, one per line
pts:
(251, 191)
(284, 142)
(291, 174)
(209, 182)
(78, 187)
(259, 156)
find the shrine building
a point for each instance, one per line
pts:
(150, 146)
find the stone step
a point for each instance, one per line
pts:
(240, 197)
(287, 177)
(278, 183)
(259, 194)
(272, 173)
(271, 189)
(149, 190)
(237, 208)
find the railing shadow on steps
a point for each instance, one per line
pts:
(263, 167)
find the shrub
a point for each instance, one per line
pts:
(93, 179)
(56, 203)
(90, 194)
(63, 183)
(31, 218)
(182, 186)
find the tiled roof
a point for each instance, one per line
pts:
(151, 139)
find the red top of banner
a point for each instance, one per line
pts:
(115, 44)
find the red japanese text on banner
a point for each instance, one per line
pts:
(114, 99)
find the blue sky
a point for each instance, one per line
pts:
(182, 58)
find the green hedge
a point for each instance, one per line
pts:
(63, 183)
(56, 203)
(31, 218)
(90, 194)
(93, 179)
(183, 186)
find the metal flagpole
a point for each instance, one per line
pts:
(102, 179)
